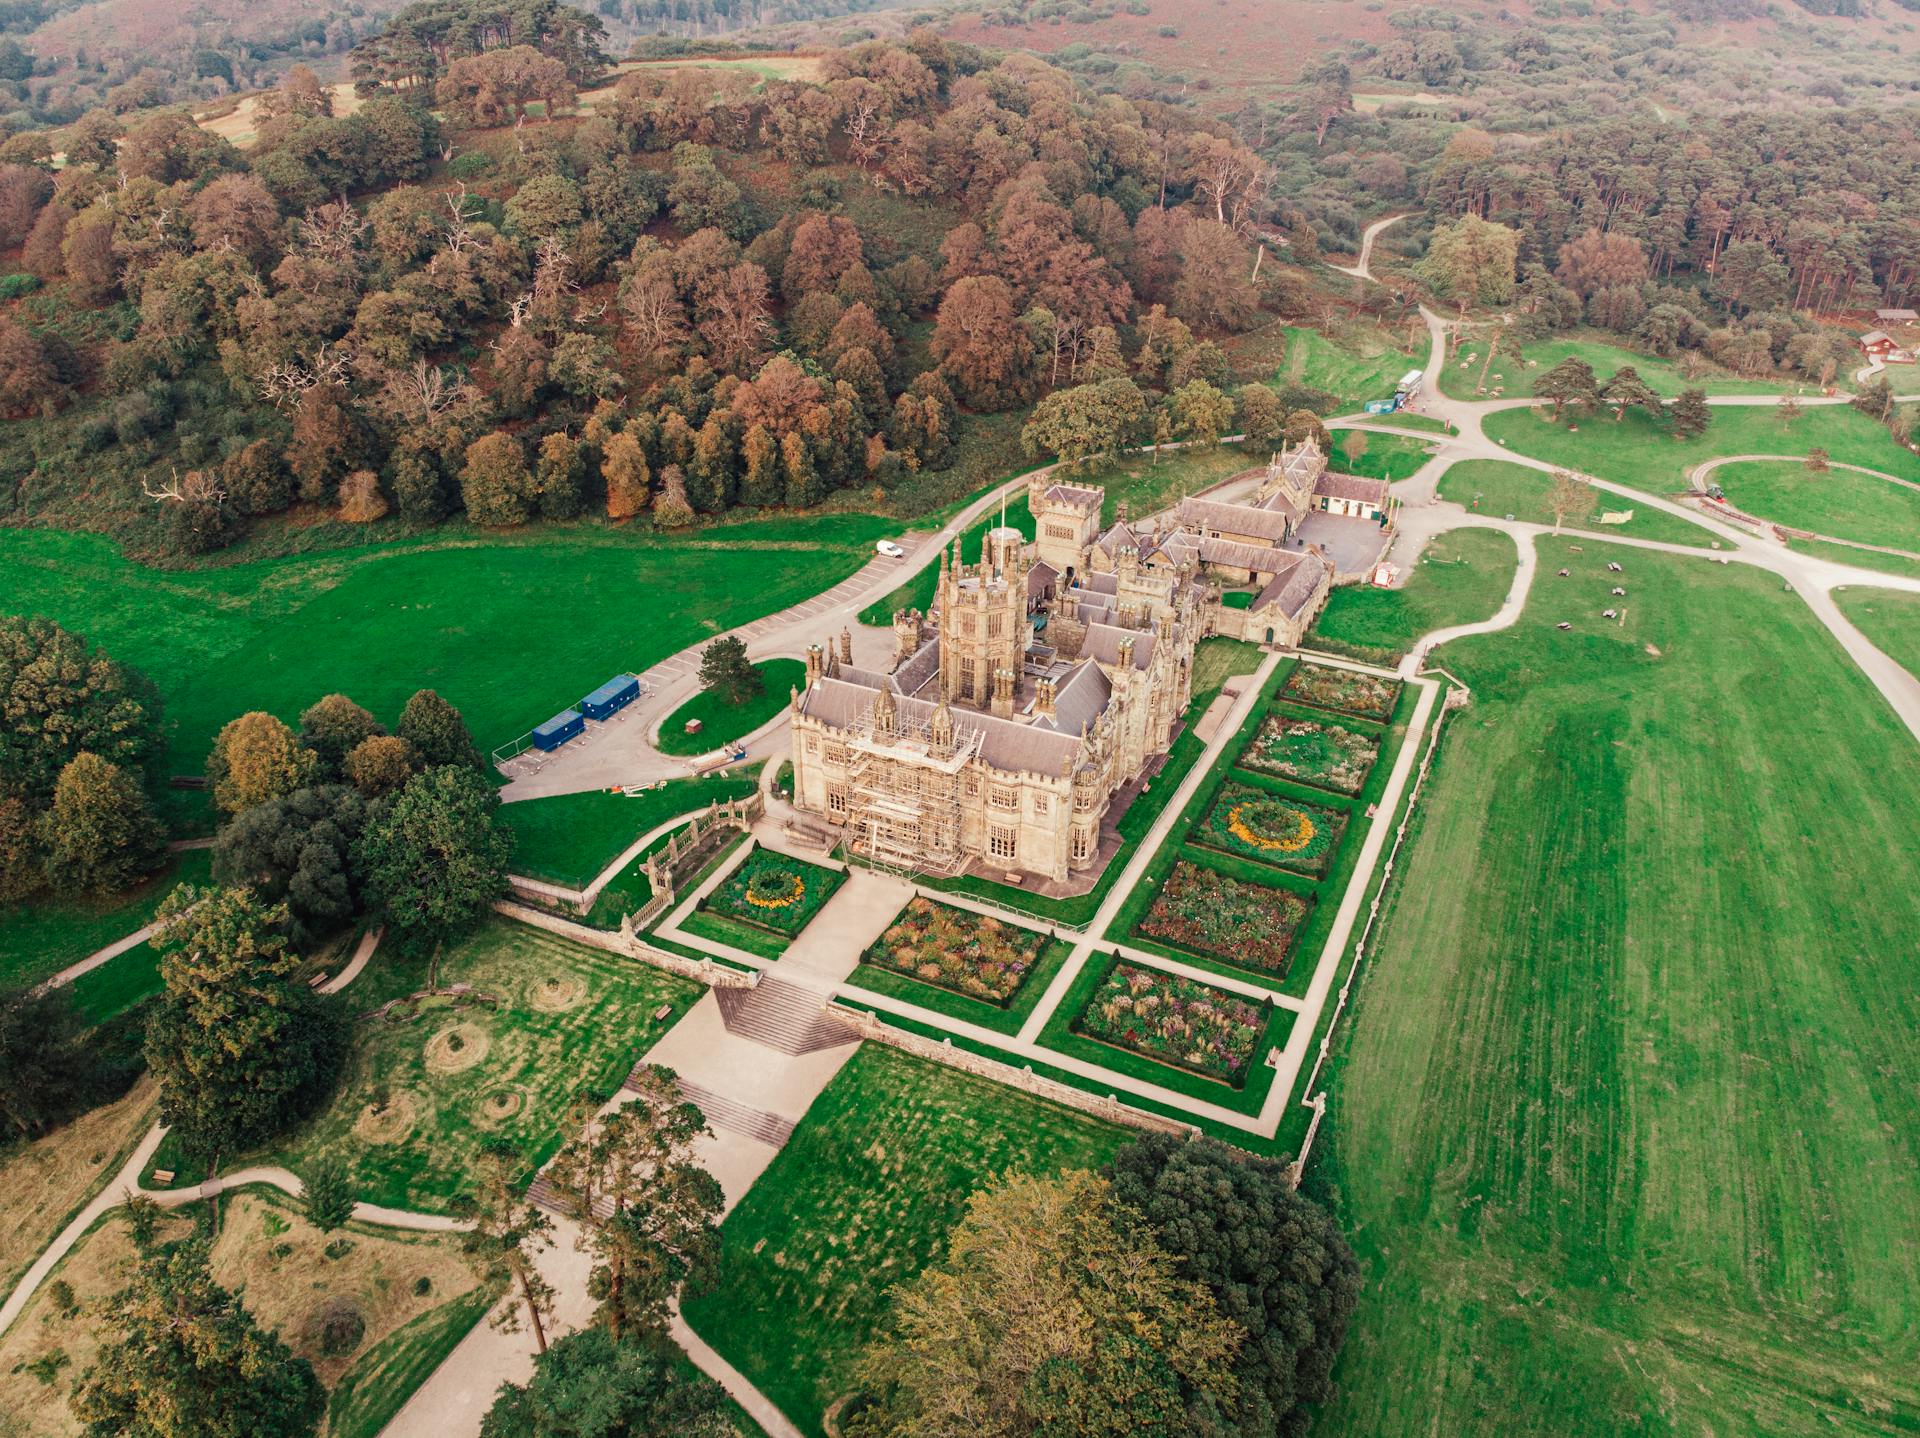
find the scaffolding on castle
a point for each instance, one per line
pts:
(903, 795)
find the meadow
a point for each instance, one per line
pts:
(862, 1198)
(1888, 617)
(1468, 370)
(1353, 376)
(1639, 452)
(1623, 1124)
(508, 629)
(1497, 488)
(1462, 576)
(1834, 502)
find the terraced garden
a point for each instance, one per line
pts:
(775, 892)
(959, 950)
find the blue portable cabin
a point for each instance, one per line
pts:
(610, 698)
(557, 730)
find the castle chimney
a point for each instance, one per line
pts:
(1124, 658)
(816, 663)
(1003, 693)
(846, 645)
(1043, 699)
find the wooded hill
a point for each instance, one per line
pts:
(694, 290)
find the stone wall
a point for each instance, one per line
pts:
(701, 971)
(1108, 1107)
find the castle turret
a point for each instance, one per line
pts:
(816, 663)
(1003, 693)
(846, 645)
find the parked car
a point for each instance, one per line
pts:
(887, 549)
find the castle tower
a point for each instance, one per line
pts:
(983, 622)
(1066, 522)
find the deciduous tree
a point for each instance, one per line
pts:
(100, 834)
(436, 732)
(436, 859)
(256, 758)
(60, 697)
(592, 1385)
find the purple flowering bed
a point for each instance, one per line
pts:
(1207, 913)
(1177, 1021)
(958, 950)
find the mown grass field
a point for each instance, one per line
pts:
(1623, 1126)
(508, 629)
(1392, 457)
(1351, 376)
(1495, 487)
(862, 1198)
(1468, 370)
(721, 722)
(1836, 502)
(1888, 617)
(1637, 451)
(570, 838)
(569, 1019)
(43, 937)
(1462, 577)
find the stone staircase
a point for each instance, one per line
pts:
(783, 1016)
(727, 1113)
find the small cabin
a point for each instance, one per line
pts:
(557, 730)
(610, 698)
(1878, 343)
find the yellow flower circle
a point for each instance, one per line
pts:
(1286, 843)
(796, 890)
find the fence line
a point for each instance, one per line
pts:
(1456, 698)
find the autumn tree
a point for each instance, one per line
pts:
(1201, 413)
(1304, 425)
(29, 382)
(240, 1049)
(497, 87)
(61, 697)
(380, 765)
(101, 834)
(558, 477)
(623, 469)
(1787, 411)
(1049, 1313)
(1817, 461)
(1596, 260)
(256, 758)
(1570, 497)
(436, 858)
(495, 484)
(361, 500)
(331, 727)
(979, 343)
(180, 1357)
(1471, 261)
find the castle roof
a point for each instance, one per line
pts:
(1040, 578)
(1103, 643)
(1293, 588)
(1117, 538)
(1213, 514)
(1075, 495)
(1079, 701)
(1352, 486)
(919, 668)
(1254, 558)
(1005, 744)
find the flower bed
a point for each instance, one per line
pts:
(1207, 913)
(1366, 696)
(774, 892)
(1177, 1021)
(1275, 830)
(958, 950)
(1328, 756)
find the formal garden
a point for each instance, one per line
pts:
(1271, 828)
(1252, 925)
(775, 892)
(1315, 752)
(1345, 691)
(959, 950)
(1175, 1020)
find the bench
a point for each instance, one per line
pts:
(317, 980)
(665, 1011)
(163, 1176)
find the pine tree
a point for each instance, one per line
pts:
(1691, 414)
(1571, 382)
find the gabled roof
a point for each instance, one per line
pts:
(1103, 643)
(1004, 743)
(1267, 524)
(1293, 589)
(1079, 701)
(1040, 578)
(1077, 496)
(1874, 337)
(1353, 486)
(1254, 558)
(1119, 537)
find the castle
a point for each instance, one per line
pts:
(1047, 685)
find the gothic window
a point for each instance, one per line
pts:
(813, 744)
(1082, 843)
(836, 801)
(967, 624)
(1003, 843)
(1006, 799)
(1041, 804)
(835, 754)
(966, 676)
(995, 624)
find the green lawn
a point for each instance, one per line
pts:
(1890, 618)
(1391, 457)
(1637, 451)
(44, 937)
(1859, 558)
(862, 1198)
(384, 1377)
(1146, 486)
(1623, 1127)
(1836, 502)
(722, 721)
(1462, 577)
(1352, 378)
(570, 838)
(570, 1018)
(1495, 487)
(1468, 370)
(509, 629)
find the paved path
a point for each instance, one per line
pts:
(101, 956)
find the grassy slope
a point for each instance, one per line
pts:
(1391, 457)
(1624, 1125)
(1463, 576)
(861, 1198)
(1353, 378)
(44, 938)
(1638, 452)
(570, 838)
(722, 722)
(1493, 486)
(1844, 505)
(1888, 617)
(1461, 378)
(509, 629)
